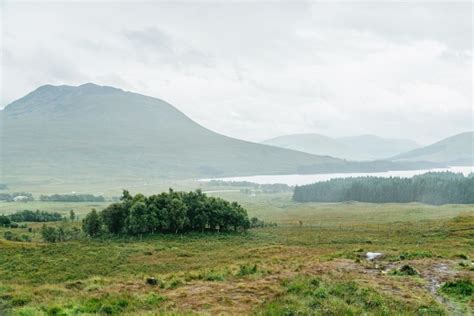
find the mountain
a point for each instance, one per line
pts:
(379, 147)
(316, 144)
(91, 133)
(365, 147)
(455, 150)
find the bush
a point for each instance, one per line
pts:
(461, 289)
(405, 270)
(58, 234)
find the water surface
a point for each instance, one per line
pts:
(301, 179)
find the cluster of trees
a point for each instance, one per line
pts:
(3, 186)
(432, 188)
(5, 221)
(35, 216)
(10, 197)
(166, 212)
(72, 198)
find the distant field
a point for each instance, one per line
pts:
(279, 208)
(80, 208)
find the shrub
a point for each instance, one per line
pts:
(461, 289)
(247, 270)
(405, 270)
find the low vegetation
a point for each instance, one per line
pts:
(290, 269)
(72, 198)
(432, 188)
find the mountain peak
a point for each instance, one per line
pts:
(48, 95)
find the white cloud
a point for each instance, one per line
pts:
(258, 70)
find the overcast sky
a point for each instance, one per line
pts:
(256, 71)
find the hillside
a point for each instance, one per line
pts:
(379, 147)
(365, 147)
(91, 132)
(454, 150)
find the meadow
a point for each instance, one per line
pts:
(313, 262)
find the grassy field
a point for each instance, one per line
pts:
(318, 268)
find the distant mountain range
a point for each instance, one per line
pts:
(457, 150)
(364, 147)
(96, 132)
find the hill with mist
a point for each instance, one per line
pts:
(96, 132)
(364, 147)
(457, 150)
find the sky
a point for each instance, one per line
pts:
(256, 70)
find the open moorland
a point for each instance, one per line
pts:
(313, 262)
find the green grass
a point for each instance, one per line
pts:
(316, 268)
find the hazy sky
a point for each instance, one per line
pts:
(258, 70)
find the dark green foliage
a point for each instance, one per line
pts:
(4, 221)
(38, 216)
(432, 188)
(92, 224)
(8, 235)
(52, 234)
(72, 198)
(415, 255)
(114, 217)
(461, 289)
(168, 212)
(405, 270)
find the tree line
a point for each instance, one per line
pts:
(72, 198)
(35, 216)
(10, 197)
(432, 188)
(166, 212)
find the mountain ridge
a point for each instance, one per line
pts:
(457, 149)
(362, 147)
(107, 132)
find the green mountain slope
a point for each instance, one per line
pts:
(454, 150)
(94, 132)
(365, 147)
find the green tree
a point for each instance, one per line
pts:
(137, 221)
(92, 224)
(113, 217)
(49, 234)
(177, 215)
(72, 216)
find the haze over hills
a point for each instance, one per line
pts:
(457, 150)
(65, 132)
(364, 147)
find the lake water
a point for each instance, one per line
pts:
(301, 179)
